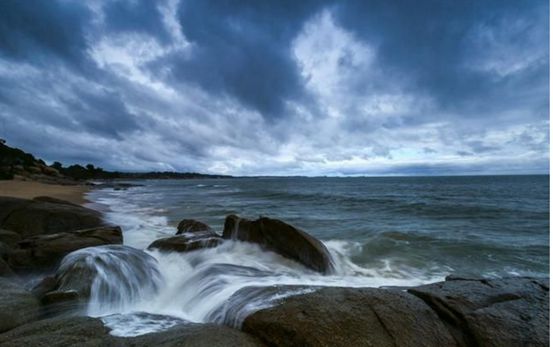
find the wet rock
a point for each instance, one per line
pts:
(192, 226)
(281, 238)
(349, 317)
(58, 332)
(61, 302)
(46, 251)
(9, 205)
(45, 285)
(86, 331)
(118, 273)
(495, 312)
(197, 335)
(45, 216)
(17, 305)
(9, 238)
(187, 242)
(5, 269)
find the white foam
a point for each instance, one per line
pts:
(196, 286)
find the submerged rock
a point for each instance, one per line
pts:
(17, 305)
(44, 215)
(349, 317)
(192, 226)
(281, 238)
(187, 242)
(46, 251)
(496, 312)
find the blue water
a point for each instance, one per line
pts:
(431, 226)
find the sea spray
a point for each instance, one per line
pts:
(114, 277)
(205, 285)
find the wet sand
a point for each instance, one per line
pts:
(31, 189)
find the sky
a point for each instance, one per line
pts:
(433, 87)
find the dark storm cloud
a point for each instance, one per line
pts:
(36, 31)
(102, 112)
(135, 16)
(279, 87)
(243, 49)
(432, 43)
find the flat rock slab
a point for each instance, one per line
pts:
(17, 305)
(57, 332)
(349, 317)
(496, 312)
(86, 331)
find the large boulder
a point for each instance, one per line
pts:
(349, 317)
(191, 226)
(281, 238)
(46, 251)
(187, 242)
(45, 215)
(17, 305)
(496, 312)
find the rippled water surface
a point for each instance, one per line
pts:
(380, 231)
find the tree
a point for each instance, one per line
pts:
(56, 165)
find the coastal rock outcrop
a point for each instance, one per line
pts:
(187, 242)
(281, 238)
(86, 331)
(46, 251)
(349, 317)
(191, 226)
(457, 312)
(17, 305)
(45, 216)
(492, 312)
(66, 331)
(197, 335)
(191, 235)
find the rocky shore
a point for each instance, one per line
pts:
(48, 250)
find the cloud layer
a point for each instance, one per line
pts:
(279, 88)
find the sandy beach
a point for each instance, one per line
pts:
(31, 189)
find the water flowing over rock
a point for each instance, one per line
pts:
(45, 216)
(191, 226)
(17, 305)
(45, 251)
(112, 276)
(349, 317)
(497, 312)
(281, 238)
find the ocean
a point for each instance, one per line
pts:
(381, 231)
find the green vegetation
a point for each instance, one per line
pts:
(14, 161)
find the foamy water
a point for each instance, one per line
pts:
(196, 286)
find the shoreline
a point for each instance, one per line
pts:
(31, 189)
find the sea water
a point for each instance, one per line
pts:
(380, 232)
